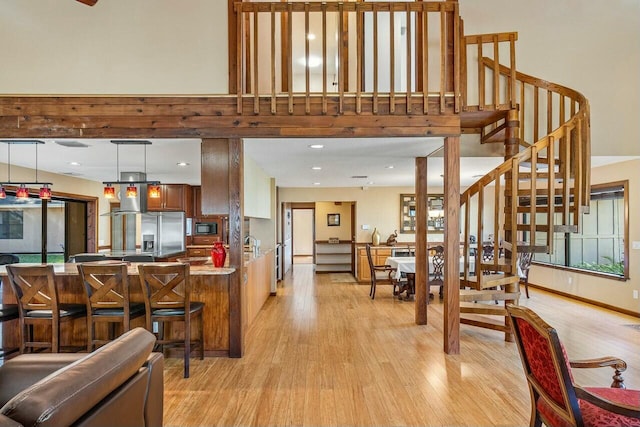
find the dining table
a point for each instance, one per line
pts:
(408, 265)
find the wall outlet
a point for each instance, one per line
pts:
(635, 294)
(570, 280)
(635, 245)
(365, 226)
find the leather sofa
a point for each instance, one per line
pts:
(119, 384)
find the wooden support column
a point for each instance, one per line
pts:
(422, 263)
(452, 245)
(222, 192)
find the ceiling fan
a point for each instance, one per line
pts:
(88, 2)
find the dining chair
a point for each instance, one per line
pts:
(106, 289)
(37, 296)
(167, 298)
(375, 269)
(524, 263)
(139, 258)
(556, 400)
(436, 277)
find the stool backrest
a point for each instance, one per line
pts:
(106, 285)
(34, 287)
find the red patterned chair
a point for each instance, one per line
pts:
(556, 399)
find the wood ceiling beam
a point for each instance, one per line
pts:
(206, 117)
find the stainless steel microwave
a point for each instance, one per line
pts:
(206, 228)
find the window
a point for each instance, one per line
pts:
(602, 245)
(11, 224)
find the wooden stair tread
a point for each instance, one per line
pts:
(470, 295)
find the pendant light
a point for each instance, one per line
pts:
(23, 191)
(131, 190)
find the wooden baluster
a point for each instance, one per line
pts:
(425, 59)
(359, 55)
(290, 55)
(307, 105)
(392, 63)
(239, 70)
(443, 55)
(409, 37)
(341, 59)
(481, 82)
(324, 58)
(536, 114)
(533, 194)
(457, 34)
(496, 72)
(256, 73)
(375, 58)
(551, 200)
(273, 59)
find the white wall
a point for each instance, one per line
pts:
(590, 46)
(257, 190)
(612, 292)
(303, 221)
(114, 47)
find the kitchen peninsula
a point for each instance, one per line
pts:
(210, 285)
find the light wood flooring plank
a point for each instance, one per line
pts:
(324, 354)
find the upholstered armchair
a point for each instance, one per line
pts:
(555, 398)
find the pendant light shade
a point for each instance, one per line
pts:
(109, 192)
(45, 192)
(23, 192)
(132, 191)
(154, 191)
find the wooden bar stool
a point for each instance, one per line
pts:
(37, 296)
(107, 290)
(8, 312)
(167, 291)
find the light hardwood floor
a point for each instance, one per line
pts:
(322, 353)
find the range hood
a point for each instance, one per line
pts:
(132, 205)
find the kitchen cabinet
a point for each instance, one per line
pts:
(205, 239)
(378, 254)
(333, 257)
(173, 197)
(199, 252)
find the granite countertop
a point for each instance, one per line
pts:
(166, 253)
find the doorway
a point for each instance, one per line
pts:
(303, 235)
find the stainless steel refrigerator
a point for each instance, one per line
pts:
(167, 229)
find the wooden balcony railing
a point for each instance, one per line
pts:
(348, 58)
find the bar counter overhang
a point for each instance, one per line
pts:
(210, 285)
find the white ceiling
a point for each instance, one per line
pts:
(289, 161)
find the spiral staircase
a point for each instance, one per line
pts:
(542, 187)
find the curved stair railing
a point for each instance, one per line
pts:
(540, 190)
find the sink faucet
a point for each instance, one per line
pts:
(255, 245)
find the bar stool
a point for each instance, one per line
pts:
(106, 287)
(37, 296)
(167, 291)
(8, 312)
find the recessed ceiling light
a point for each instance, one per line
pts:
(370, 183)
(316, 183)
(311, 36)
(74, 163)
(316, 168)
(389, 167)
(316, 146)
(182, 164)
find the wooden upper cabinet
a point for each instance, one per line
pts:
(173, 197)
(196, 191)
